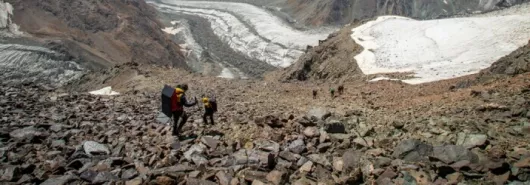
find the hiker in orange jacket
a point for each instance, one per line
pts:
(178, 102)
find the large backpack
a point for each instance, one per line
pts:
(167, 93)
(213, 102)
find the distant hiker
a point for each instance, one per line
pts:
(332, 92)
(179, 101)
(210, 107)
(315, 92)
(341, 89)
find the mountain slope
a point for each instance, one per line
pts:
(115, 31)
(346, 11)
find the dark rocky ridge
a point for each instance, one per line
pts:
(516, 63)
(339, 12)
(332, 60)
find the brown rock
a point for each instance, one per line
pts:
(210, 141)
(311, 132)
(499, 179)
(276, 177)
(523, 163)
(136, 181)
(338, 164)
(323, 137)
(351, 159)
(251, 175)
(385, 181)
(304, 181)
(193, 181)
(223, 178)
(164, 180)
(455, 178)
(306, 168)
(389, 173)
(257, 182)
(421, 177)
(234, 181)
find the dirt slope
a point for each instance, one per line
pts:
(106, 32)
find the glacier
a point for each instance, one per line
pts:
(436, 50)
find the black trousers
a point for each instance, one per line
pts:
(208, 113)
(176, 125)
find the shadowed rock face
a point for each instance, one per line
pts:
(346, 11)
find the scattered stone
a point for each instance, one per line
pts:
(136, 181)
(289, 156)
(382, 162)
(62, 180)
(338, 164)
(365, 130)
(58, 143)
(319, 159)
(164, 180)
(311, 132)
(352, 160)
(103, 177)
(195, 150)
(361, 142)
(455, 178)
(335, 127)
(297, 146)
(276, 177)
(223, 178)
(26, 134)
(324, 137)
(453, 153)
(301, 161)
(323, 147)
(210, 141)
(523, 163)
(398, 124)
(95, 148)
(471, 140)
(267, 145)
(129, 174)
(412, 150)
(306, 168)
(388, 173)
(304, 181)
(11, 173)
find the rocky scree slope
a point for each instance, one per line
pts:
(55, 138)
(340, 12)
(516, 63)
(99, 33)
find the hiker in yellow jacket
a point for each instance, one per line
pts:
(210, 107)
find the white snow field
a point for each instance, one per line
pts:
(438, 49)
(106, 91)
(249, 29)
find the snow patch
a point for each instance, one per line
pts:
(381, 78)
(106, 91)
(171, 30)
(226, 73)
(438, 49)
(6, 12)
